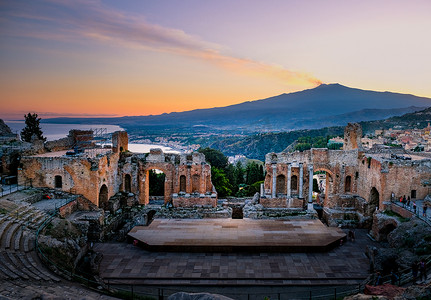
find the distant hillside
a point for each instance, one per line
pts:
(418, 119)
(325, 105)
(256, 146)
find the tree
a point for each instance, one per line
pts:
(32, 127)
(239, 173)
(254, 173)
(221, 183)
(157, 183)
(214, 157)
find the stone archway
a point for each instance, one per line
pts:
(58, 181)
(127, 183)
(183, 184)
(348, 184)
(374, 201)
(281, 185)
(326, 186)
(103, 197)
(294, 184)
(144, 181)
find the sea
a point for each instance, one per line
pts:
(57, 131)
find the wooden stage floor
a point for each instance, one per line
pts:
(237, 235)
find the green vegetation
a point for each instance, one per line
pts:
(157, 180)
(233, 180)
(258, 145)
(391, 213)
(32, 127)
(308, 142)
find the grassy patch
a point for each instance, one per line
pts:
(391, 213)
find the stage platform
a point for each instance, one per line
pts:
(236, 235)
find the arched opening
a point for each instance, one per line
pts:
(294, 183)
(323, 186)
(195, 183)
(373, 202)
(237, 212)
(281, 185)
(348, 184)
(156, 184)
(183, 183)
(58, 182)
(383, 233)
(103, 197)
(127, 183)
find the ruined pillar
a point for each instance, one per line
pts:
(310, 187)
(274, 180)
(203, 181)
(189, 178)
(289, 175)
(144, 188)
(301, 180)
(262, 191)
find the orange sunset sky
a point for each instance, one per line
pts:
(116, 58)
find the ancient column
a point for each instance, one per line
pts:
(262, 190)
(189, 178)
(301, 179)
(274, 180)
(310, 184)
(289, 175)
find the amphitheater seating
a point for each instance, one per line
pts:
(17, 235)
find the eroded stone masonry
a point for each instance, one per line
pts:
(357, 183)
(100, 173)
(353, 183)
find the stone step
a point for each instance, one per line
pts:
(35, 262)
(6, 272)
(17, 239)
(10, 235)
(20, 212)
(28, 242)
(20, 266)
(35, 269)
(38, 221)
(4, 227)
(7, 263)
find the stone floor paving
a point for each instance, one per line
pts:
(344, 264)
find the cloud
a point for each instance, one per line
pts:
(72, 20)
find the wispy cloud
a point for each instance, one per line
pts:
(72, 20)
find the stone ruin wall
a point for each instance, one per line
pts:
(79, 174)
(191, 170)
(337, 163)
(352, 136)
(120, 141)
(398, 177)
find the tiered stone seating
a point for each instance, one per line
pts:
(17, 258)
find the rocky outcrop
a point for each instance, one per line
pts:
(383, 225)
(387, 290)
(4, 129)
(414, 234)
(63, 242)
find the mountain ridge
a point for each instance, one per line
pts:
(288, 111)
